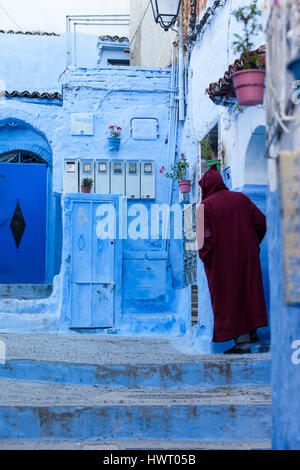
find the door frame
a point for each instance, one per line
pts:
(68, 203)
(48, 188)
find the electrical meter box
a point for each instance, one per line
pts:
(71, 180)
(102, 172)
(133, 179)
(144, 129)
(148, 179)
(117, 177)
(87, 171)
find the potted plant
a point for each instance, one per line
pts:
(249, 82)
(208, 154)
(114, 140)
(178, 173)
(86, 185)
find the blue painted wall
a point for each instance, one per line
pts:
(258, 195)
(36, 63)
(285, 330)
(114, 96)
(112, 48)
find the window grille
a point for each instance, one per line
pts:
(20, 156)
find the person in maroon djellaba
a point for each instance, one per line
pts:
(233, 230)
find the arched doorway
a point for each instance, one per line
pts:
(256, 172)
(30, 213)
(23, 217)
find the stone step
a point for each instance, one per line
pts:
(207, 372)
(25, 291)
(35, 410)
(134, 444)
(114, 361)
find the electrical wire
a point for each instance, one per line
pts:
(144, 14)
(10, 16)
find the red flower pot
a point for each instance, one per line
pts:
(85, 189)
(249, 86)
(184, 186)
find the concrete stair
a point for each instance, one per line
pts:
(25, 291)
(106, 391)
(132, 444)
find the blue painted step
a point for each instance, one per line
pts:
(206, 371)
(53, 411)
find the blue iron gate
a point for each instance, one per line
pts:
(92, 270)
(23, 197)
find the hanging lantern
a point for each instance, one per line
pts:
(165, 12)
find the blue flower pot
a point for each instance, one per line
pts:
(294, 67)
(114, 143)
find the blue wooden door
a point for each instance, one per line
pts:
(23, 194)
(92, 270)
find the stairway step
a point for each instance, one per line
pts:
(25, 393)
(33, 410)
(134, 444)
(207, 372)
(115, 361)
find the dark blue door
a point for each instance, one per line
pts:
(23, 191)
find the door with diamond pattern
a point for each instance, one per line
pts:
(23, 199)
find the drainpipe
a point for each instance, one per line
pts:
(68, 62)
(181, 69)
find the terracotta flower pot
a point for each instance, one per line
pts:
(85, 189)
(184, 186)
(249, 86)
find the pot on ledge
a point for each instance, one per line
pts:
(249, 86)
(85, 189)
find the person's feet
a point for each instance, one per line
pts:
(239, 349)
(254, 337)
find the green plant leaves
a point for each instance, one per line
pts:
(178, 169)
(249, 17)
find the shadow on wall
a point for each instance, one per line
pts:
(255, 161)
(256, 179)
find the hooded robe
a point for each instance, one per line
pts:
(233, 230)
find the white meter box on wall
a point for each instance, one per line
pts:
(144, 129)
(82, 124)
(71, 177)
(148, 179)
(133, 179)
(117, 177)
(102, 173)
(87, 168)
